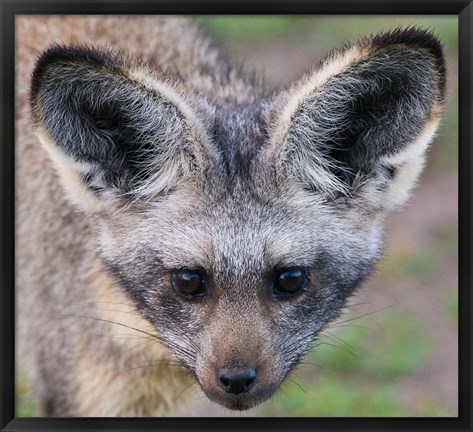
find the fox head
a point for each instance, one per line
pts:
(240, 230)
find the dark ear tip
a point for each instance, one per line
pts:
(63, 54)
(416, 37)
(412, 36)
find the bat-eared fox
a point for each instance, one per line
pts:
(178, 223)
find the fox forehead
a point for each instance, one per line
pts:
(234, 234)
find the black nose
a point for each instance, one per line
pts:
(236, 379)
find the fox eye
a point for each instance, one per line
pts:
(289, 281)
(189, 283)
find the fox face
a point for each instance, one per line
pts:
(240, 229)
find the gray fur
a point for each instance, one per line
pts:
(391, 96)
(197, 168)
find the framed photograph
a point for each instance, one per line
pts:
(242, 210)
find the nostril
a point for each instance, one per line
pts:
(237, 379)
(225, 381)
(250, 378)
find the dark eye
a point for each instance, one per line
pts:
(189, 283)
(289, 281)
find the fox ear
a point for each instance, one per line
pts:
(360, 125)
(111, 129)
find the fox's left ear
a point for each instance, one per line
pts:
(115, 131)
(359, 126)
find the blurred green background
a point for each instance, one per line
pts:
(394, 352)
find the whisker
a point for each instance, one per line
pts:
(138, 345)
(105, 302)
(281, 389)
(358, 304)
(187, 387)
(303, 363)
(337, 346)
(121, 336)
(154, 366)
(341, 341)
(351, 325)
(366, 314)
(117, 323)
(297, 384)
(119, 311)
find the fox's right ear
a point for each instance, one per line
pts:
(357, 129)
(111, 128)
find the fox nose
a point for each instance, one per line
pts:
(236, 380)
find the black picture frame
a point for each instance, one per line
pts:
(464, 11)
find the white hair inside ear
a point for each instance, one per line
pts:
(408, 165)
